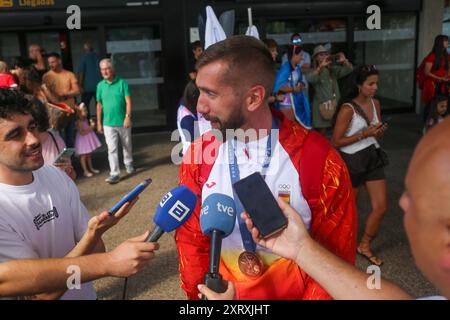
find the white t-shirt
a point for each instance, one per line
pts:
(44, 219)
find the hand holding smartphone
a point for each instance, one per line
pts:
(130, 196)
(260, 204)
(64, 156)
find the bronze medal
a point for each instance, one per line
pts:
(250, 264)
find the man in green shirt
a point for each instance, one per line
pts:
(114, 108)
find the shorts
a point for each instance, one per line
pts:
(364, 166)
(359, 179)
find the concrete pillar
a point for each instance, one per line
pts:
(430, 25)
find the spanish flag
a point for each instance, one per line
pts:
(285, 196)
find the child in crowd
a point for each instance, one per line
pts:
(86, 141)
(6, 78)
(438, 111)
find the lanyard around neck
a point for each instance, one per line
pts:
(249, 244)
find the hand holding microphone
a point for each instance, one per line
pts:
(217, 220)
(130, 257)
(173, 210)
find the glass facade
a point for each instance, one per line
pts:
(48, 40)
(136, 54)
(313, 32)
(392, 51)
(149, 51)
(9, 47)
(77, 41)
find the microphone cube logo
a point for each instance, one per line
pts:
(165, 199)
(179, 211)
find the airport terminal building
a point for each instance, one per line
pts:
(149, 41)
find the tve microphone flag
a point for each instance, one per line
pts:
(217, 220)
(173, 210)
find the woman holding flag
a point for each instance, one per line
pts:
(289, 80)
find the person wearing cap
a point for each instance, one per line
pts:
(323, 76)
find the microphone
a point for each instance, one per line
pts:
(173, 210)
(217, 220)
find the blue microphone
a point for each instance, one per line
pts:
(173, 210)
(217, 220)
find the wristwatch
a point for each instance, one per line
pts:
(127, 115)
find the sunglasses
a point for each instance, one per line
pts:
(297, 41)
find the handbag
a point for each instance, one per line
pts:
(328, 108)
(382, 157)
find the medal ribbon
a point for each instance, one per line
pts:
(247, 240)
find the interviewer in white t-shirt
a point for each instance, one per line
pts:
(41, 214)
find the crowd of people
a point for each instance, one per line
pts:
(352, 112)
(65, 119)
(238, 83)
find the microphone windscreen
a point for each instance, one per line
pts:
(218, 213)
(175, 208)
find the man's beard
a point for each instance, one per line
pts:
(235, 120)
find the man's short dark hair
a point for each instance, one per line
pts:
(54, 55)
(13, 102)
(196, 44)
(248, 60)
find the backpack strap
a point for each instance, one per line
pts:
(54, 140)
(312, 165)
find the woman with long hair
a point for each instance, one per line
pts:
(289, 80)
(37, 54)
(436, 71)
(357, 125)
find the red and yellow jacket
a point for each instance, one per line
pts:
(326, 187)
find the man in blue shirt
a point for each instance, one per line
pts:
(89, 75)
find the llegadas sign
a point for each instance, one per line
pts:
(26, 3)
